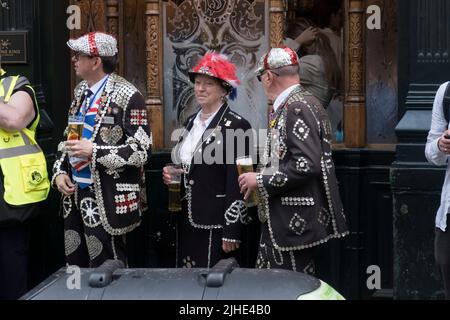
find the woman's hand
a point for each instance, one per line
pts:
(229, 246)
(166, 176)
(247, 183)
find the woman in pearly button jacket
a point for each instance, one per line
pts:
(213, 219)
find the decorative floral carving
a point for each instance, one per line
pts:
(152, 56)
(233, 27)
(4, 4)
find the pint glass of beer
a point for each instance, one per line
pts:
(174, 187)
(245, 165)
(75, 128)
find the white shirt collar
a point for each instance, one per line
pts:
(97, 86)
(207, 122)
(193, 137)
(282, 97)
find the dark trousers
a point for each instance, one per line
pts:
(271, 258)
(87, 243)
(295, 260)
(442, 256)
(14, 251)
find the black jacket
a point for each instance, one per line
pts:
(121, 146)
(211, 190)
(299, 193)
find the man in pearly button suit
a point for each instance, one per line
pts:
(101, 175)
(300, 206)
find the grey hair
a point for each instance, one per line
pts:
(288, 70)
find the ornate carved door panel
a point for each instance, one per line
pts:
(237, 28)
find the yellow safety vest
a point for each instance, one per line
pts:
(21, 159)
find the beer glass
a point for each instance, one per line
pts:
(174, 187)
(245, 165)
(75, 130)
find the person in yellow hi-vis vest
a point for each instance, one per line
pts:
(23, 180)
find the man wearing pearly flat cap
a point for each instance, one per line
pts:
(99, 170)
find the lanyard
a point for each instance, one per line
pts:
(91, 101)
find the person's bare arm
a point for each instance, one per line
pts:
(17, 113)
(307, 36)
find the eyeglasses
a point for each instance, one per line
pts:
(78, 55)
(259, 76)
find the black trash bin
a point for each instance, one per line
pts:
(225, 281)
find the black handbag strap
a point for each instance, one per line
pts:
(446, 104)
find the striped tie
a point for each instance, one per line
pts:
(81, 171)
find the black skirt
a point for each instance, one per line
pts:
(199, 248)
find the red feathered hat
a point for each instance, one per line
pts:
(217, 66)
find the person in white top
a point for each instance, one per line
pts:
(437, 152)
